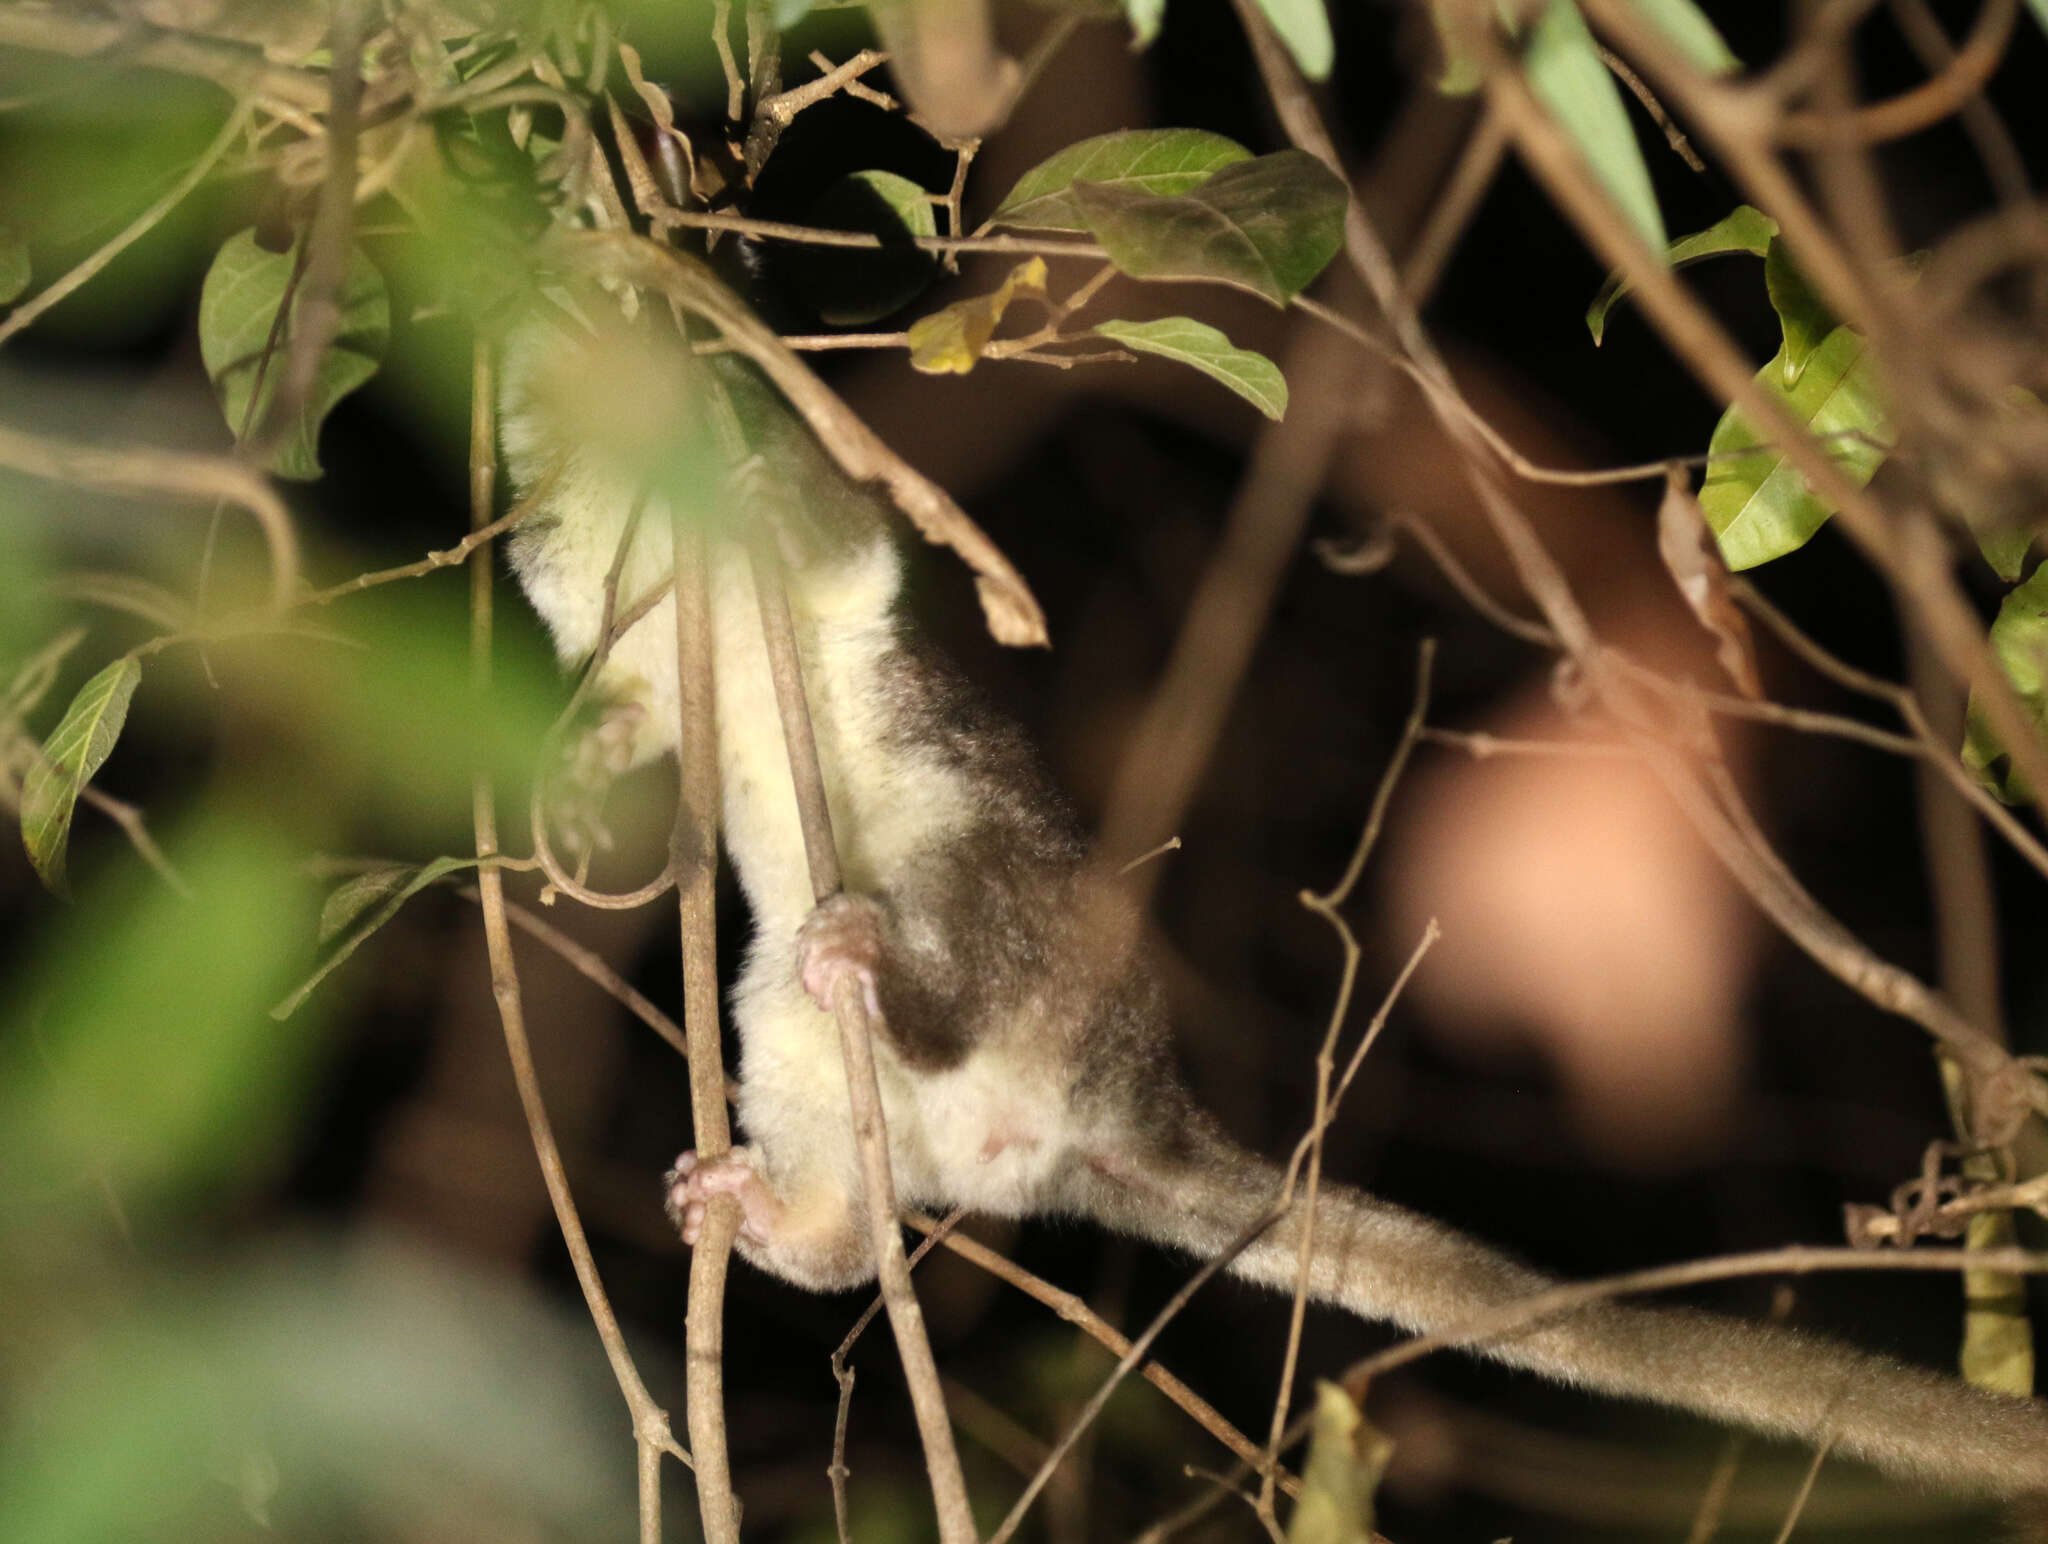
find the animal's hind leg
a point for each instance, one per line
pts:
(810, 1238)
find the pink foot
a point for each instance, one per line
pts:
(841, 941)
(690, 1185)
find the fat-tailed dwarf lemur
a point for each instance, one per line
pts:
(1022, 1073)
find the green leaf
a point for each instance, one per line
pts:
(1252, 376)
(2040, 10)
(1568, 75)
(349, 901)
(2005, 549)
(1161, 162)
(238, 307)
(77, 747)
(1460, 75)
(2019, 640)
(150, 1065)
(1304, 26)
(1268, 225)
(1346, 1457)
(1998, 1339)
(15, 271)
(1757, 504)
(1146, 15)
(1803, 319)
(1686, 28)
(1742, 229)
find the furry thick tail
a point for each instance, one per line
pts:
(1384, 1262)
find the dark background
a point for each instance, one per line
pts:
(1109, 495)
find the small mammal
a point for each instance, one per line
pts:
(1022, 1072)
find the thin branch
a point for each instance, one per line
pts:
(1328, 906)
(906, 1318)
(1075, 1311)
(166, 474)
(1927, 104)
(1279, 1207)
(47, 30)
(650, 1421)
(316, 313)
(446, 557)
(695, 861)
(1805, 1491)
(785, 105)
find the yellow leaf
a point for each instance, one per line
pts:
(952, 339)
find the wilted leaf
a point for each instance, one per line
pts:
(1743, 229)
(1268, 225)
(1304, 26)
(1251, 375)
(1757, 504)
(1695, 565)
(1804, 320)
(2019, 639)
(77, 747)
(1568, 75)
(951, 340)
(1162, 162)
(394, 887)
(1345, 1460)
(238, 309)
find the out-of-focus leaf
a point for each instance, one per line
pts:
(394, 887)
(1998, 1338)
(1251, 375)
(82, 740)
(238, 307)
(1568, 75)
(1304, 26)
(1804, 320)
(140, 1053)
(853, 288)
(2006, 550)
(2019, 639)
(2040, 10)
(15, 271)
(1268, 225)
(1743, 229)
(129, 593)
(1686, 28)
(38, 673)
(1460, 75)
(1757, 504)
(1346, 1457)
(1146, 15)
(365, 1378)
(1697, 568)
(789, 12)
(951, 340)
(1161, 162)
